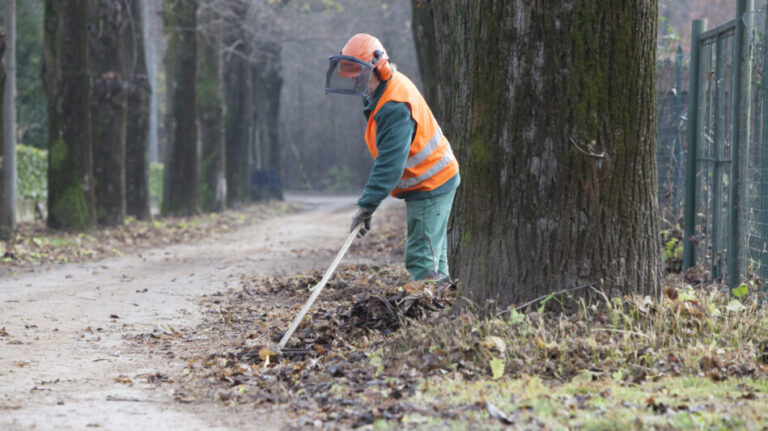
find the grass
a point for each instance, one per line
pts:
(693, 359)
(673, 403)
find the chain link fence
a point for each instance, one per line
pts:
(755, 216)
(670, 137)
(726, 199)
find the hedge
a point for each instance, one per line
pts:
(32, 171)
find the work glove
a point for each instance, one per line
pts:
(363, 216)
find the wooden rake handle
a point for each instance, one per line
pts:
(319, 287)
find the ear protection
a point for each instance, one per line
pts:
(381, 65)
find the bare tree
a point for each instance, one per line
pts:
(267, 84)
(106, 43)
(210, 109)
(181, 191)
(8, 213)
(238, 120)
(138, 94)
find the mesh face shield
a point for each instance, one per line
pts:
(347, 75)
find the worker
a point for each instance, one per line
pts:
(412, 159)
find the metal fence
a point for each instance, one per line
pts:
(670, 138)
(726, 196)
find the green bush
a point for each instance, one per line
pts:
(32, 170)
(155, 186)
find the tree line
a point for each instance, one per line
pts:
(223, 86)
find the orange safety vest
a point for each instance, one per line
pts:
(431, 162)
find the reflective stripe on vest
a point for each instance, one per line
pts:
(430, 162)
(445, 161)
(426, 151)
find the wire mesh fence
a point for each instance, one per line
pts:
(756, 184)
(714, 149)
(727, 223)
(670, 137)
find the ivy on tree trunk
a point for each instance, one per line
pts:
(67, 87)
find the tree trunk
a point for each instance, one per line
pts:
(181, 192)
(148, 25)
(238, 121)
(149, 55)
(210, 104)
(271, 82)
(8, 115)
(5, 233)
(137, 126)
(108, 18)
(423, 26)
(67, 86)
(558, 161)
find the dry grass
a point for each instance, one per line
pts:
(687, 332)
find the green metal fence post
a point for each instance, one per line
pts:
(764, 169)
(694, 115)
(739, 144)
(678, 150)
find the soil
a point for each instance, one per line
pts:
(68, 360)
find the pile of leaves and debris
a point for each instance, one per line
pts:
(232, 356)
(378, 348)
(35, 244)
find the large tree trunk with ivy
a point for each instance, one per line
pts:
(108, 20)
(550, 107)
(210, 111)
(67, 87)
(238, 120)
(181, 191)
(138, 94)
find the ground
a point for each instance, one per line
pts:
(182, 337)
(65, 350)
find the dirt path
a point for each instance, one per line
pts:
(64, 363)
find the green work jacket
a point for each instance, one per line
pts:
(394, 135)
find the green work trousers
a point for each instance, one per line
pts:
(426, 250)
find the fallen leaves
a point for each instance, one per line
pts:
(497, 368)
(231, 360)
(494, 343)
(122, 379)
(35, 244)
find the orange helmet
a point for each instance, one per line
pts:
(368, 49)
